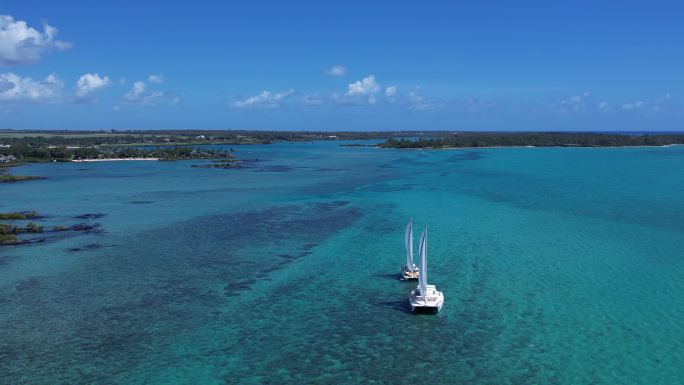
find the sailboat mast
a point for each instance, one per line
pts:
(422, 278)
(409, 244)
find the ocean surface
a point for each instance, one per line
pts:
(558, 266)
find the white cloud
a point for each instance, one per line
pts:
(264, 99)
(156, 79)
(419, 102)
(21, 44)
(366, 86)
(89, 83)
(604, 107)
(633, 105)
(659, 104)
(14, 88)
(390, 91)
(312, 100)
(572, 104)
(337, 70)
(139, 94)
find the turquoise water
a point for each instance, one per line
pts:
(559, 266)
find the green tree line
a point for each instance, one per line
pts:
(537, 139)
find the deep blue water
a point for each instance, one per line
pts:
(559, 266)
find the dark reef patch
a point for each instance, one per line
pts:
(466, 156)
(273, 168)
(87, 227)
(135, 301)
(90, 216)
(27, 284)
(88, 247)
(328, 206)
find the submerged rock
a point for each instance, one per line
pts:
(90, 216)
(91, 246)
(87, 227)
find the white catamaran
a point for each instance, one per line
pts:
(409, 271)
(425, 297)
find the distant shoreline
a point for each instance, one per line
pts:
(110, 159)
(495, 147)
(542, 139)
(466, 148)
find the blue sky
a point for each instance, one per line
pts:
(347, 65)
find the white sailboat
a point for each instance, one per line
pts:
(409, 271)
(425, 297)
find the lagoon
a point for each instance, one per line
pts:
(558, 266)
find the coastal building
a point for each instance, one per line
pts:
(7, 158)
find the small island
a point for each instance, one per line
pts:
(23, 228)
(8, 233)
(7, 178)
(533, 139)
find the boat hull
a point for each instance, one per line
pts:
(433, 304)
(408, 275)
(426, 309)
(405, 277)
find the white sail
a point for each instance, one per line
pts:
(422, 278)
(409, 245)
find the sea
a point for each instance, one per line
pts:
(558, 266)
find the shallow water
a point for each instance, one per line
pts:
(559, 266)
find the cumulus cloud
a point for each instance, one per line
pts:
(365, 86)
(390, 91)
(156, 79)
(337, 70)
(14, 88)
(89, 83)
(264, 99)
(359, 92)
(21, 44)
(140, 94)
